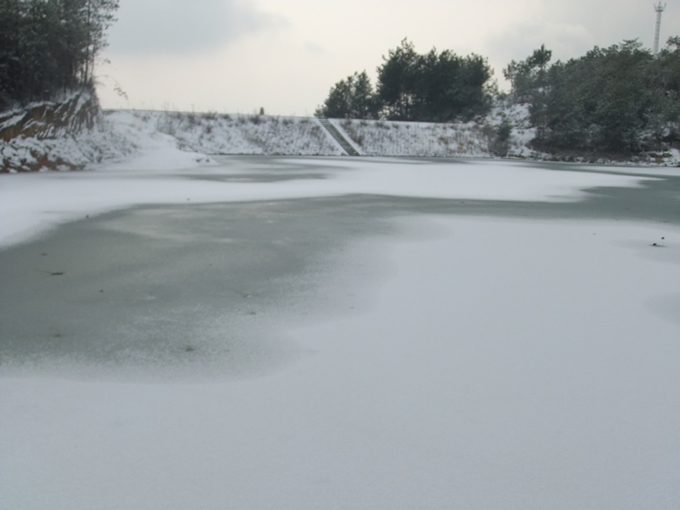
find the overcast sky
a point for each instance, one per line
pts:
(235, 56)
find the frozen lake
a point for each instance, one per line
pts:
(340, 333)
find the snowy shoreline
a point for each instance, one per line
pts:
(124, 134)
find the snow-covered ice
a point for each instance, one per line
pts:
(475, 362)
(31, 204)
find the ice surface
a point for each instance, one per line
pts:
(503, 364)
(31, 204)
(491, 363)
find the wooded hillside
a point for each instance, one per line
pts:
(611, 102)
(49, 46)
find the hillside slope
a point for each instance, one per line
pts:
(75, 134)
(65, 135)
(213, 133)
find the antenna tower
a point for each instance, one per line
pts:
(659, 10)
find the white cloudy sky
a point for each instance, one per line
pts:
(235, 56)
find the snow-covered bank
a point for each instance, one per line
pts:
(382, 138)
(65, 135)
(143, 135)
(453, 139)
(213, 133)
(195, 136)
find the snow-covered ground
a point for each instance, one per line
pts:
(469, 362)
(104, 143)
(213, 133)
(119, 134)
(522, 133)
(383, 138)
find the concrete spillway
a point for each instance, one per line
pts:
(333, 131)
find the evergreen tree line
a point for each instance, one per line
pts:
(49, 46)
(434, 87)
(621, 99)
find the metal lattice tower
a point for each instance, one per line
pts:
(659, 10)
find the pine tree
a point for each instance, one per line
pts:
(351, 98)
(435, 87)
(48, 46)
(396, 81)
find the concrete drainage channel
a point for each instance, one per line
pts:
(333, 131)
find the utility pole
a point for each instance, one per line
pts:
(659, 10)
